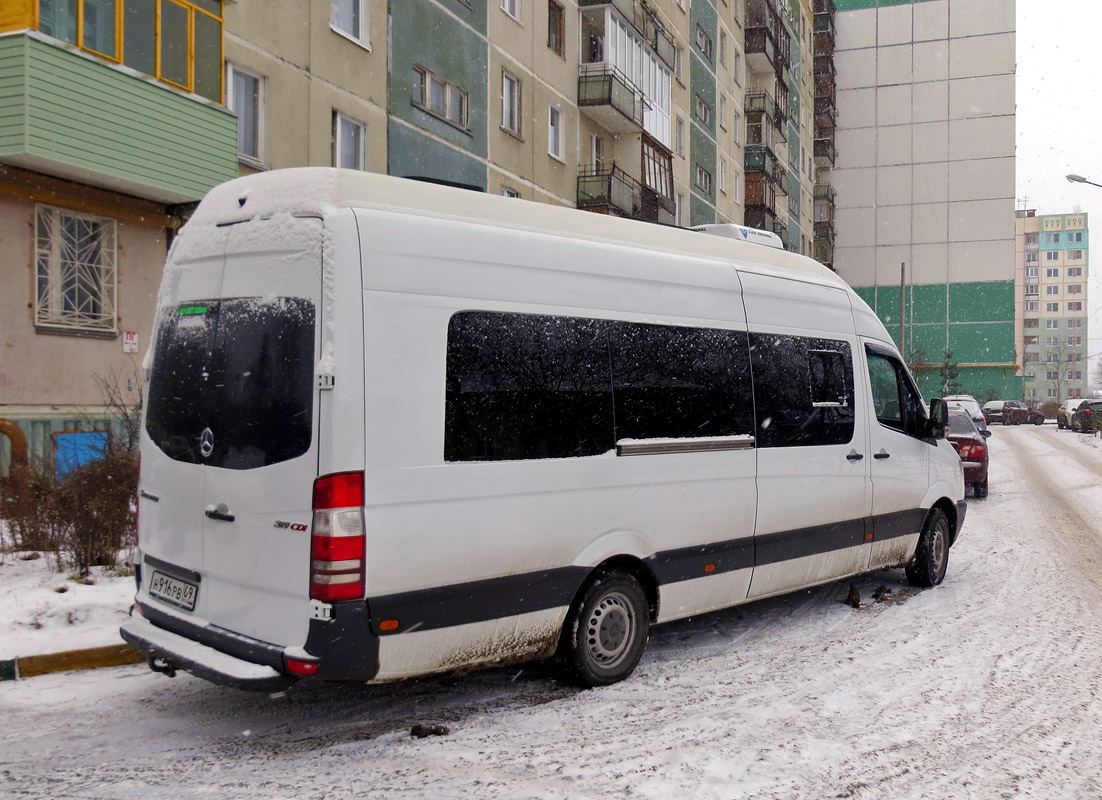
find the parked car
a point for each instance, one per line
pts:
(1088, 417)
(1031, 415)
(969, 442)
(1011, 412)
(1067, 408)
(969, 404)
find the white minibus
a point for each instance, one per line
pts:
(394, 428)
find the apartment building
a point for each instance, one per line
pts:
(924, 177)
(1051, 266)
(111, 123)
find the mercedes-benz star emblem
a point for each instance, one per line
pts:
(206, 442)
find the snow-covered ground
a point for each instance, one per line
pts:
(984, 687)
(44, 611)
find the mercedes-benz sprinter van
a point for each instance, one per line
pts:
(394, 428)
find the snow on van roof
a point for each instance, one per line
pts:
(316, 191)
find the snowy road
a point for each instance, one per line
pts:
(985, 687)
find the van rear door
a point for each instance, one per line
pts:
(233, 401)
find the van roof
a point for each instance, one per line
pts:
(316, 191)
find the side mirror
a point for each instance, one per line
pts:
(938, 421)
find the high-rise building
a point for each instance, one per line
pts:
(925, 182)
(1051, 264)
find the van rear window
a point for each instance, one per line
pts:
(232, 383)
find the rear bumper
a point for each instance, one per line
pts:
(167, 651)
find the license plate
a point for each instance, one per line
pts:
(173, 590)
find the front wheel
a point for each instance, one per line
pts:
(605, 631)
(931, 558)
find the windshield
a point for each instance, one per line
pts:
(232, 382)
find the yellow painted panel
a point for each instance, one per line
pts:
(16, 15)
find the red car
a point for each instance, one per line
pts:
(971, 445)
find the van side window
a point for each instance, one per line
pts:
(523, 386)
(678, 383)
(896, 402)
(803, 390)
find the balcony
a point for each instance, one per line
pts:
(823, 252)
(824, 35)
(824, 7)
(824, 204)
(606, 96)
(76, 117)
(761, 51)
(824, 231)
(644, 20)
(610, 190)
(825, 153)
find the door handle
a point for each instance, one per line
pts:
(853, 455)
(221, 512)
(882, 454)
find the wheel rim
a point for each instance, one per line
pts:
(938, 546)
(610, 630)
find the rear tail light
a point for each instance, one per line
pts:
(973, 452)
(337, 541)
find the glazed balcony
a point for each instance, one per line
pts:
(606, 96)
(824, 203)
(824, 231)
(758, 159)
(75, 116)
(762, 124)
(823, 252)
(824, 35)
(640, 15)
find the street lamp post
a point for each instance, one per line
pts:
(1081, 179)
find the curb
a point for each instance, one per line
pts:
(91, 658)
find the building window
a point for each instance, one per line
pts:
(1052, 341)
(723, 47)
(723, 175)
(723, 111)
(597, 152)
(244, 96)
(1031, 305)
(435, 95)
(1049, 307)
(1075, 288)
(679, 138)
(185, 50)
(736, 67)
(1078, 236)
(1056, 238)
(704, 42)
(507, 191)
(76, 273)
(1075, 341)
(555, 132)
(1031, 272)
(703, 180)
(1052, 324)
(1075, 375)
(1076, 306)
(1052, 273)
(1052, 290)
(1076, 272)
(1075, 255)
(736, 127)
(510, 103)
(512, 8)
(679, 209)
(1075, 323)
(349, 142)
(1032, 289)
(556, 19)
(703, 111)
(350, 18)
(1031, 258)
(1052, 255)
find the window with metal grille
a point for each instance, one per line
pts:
(76, 271)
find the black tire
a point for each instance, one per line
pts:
(605, 631)
(1059, 424)
(980, 489)
(931, 558)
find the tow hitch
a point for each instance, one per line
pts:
(162, 665)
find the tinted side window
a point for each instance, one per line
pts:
(803, 390)
(244, 368)
(525, 386)
(895, 401)
(677, 383)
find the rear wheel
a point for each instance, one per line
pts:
(980, 489)
(606, 631)
(931, 558)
